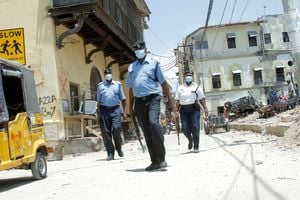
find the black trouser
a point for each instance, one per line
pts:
(190, 122)
(147, 111)
(110, 124)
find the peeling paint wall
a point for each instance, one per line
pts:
(275, 25)
(54, 69)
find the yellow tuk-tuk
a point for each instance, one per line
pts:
(22, 137)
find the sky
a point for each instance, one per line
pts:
(172, 20)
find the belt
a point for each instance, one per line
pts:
(145, 98)
(109, 107)
(188, 106)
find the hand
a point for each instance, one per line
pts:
(170, 105)
(205, 114)
(124, 116)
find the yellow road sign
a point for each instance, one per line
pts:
(12, 45)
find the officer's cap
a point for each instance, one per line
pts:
(188, 72)
(107, 71)
(140, 44)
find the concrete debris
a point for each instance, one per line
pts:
(285, 125)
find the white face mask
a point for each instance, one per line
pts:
(140, 53)
(108, 77)
(188, 79)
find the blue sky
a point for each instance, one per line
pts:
(172, 20)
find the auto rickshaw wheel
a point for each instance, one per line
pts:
(39, 166)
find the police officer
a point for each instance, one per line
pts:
(144, 80)
(109, 95)
(187, 98)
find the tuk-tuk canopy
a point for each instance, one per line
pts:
(12, 68)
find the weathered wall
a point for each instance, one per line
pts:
(54, 69)
(218, 58)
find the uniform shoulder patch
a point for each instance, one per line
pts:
(130, 68)
(100, 83)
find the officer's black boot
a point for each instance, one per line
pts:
(110, 156)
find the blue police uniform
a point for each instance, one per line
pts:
(109, 96)
(145, 79)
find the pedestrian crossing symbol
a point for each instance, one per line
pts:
(12, 45)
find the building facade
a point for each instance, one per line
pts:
(240, 59)
(68, 44)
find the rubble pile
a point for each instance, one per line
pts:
(292, 135)
(290, 118)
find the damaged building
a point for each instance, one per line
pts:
(239, 59)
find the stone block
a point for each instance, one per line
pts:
(286, 118)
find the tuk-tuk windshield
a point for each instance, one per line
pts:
(3, 108)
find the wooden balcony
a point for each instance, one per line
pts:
(112, 26)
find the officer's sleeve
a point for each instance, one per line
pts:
(159, 74)
(129, 81)
(200, 93)
(121, 92)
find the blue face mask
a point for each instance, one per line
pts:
(140, 53)
(108, 77)
(188, 79)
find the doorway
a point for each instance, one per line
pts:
(95, 79)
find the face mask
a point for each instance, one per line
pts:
(188, 79)
(140, 53)
(108, 77)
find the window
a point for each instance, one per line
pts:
(252, 35)
(236, 77)
(186, 68)
(74, 91)
(220, 110)
(13, 93)
(267, 37)
(202, 45)
(285, 37)
(258, 76)
(119, 16)
(280, 74)
(216, 80)
(231, 40)
(106, 5)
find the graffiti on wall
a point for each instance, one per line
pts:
(48, 105)
(63, 81)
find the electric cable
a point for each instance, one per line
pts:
(246, 6)
(234, 4)
(161, 55)
(219, 25)
(168, 64)
(159, 38)
(216, 35)
(233, 9)
(168, 68)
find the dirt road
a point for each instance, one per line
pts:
(233, 166)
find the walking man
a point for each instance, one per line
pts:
(109, 95)
(144, 80)
(187, 98)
